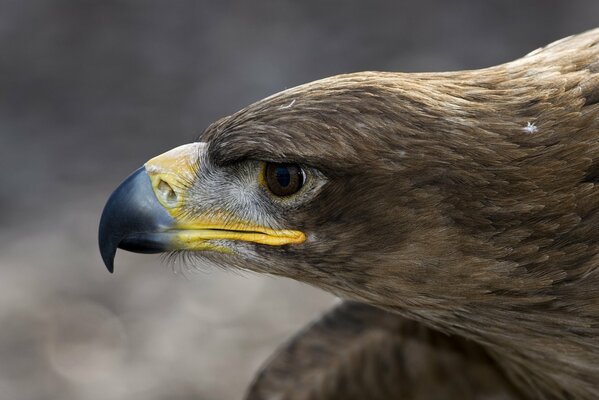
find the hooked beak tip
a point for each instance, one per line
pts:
(109, 261)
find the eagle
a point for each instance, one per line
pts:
(456, 214)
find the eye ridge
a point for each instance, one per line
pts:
(284, 179)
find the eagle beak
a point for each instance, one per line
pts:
(144, 214)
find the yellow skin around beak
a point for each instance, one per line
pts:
(170, 174)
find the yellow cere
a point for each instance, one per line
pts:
(170, 173)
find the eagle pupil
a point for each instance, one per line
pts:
(284, 179)
(283, 176)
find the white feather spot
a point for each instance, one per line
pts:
(530, 128)
(288, 105)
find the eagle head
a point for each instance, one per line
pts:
(324, 183)
(467, 200)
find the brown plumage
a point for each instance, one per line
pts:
(358, 352)
(465, 202)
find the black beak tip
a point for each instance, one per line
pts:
(109, 262)
(107, 245)
(107, 241)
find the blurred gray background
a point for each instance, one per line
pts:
(89, 90)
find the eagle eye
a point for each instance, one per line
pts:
(284, 179)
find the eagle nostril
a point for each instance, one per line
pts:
(166, 193)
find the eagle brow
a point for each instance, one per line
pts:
(232, 155)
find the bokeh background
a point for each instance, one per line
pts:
(89, 90)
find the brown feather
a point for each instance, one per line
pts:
(358, 352)
(468, 201)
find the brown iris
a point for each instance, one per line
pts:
(284, 179)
